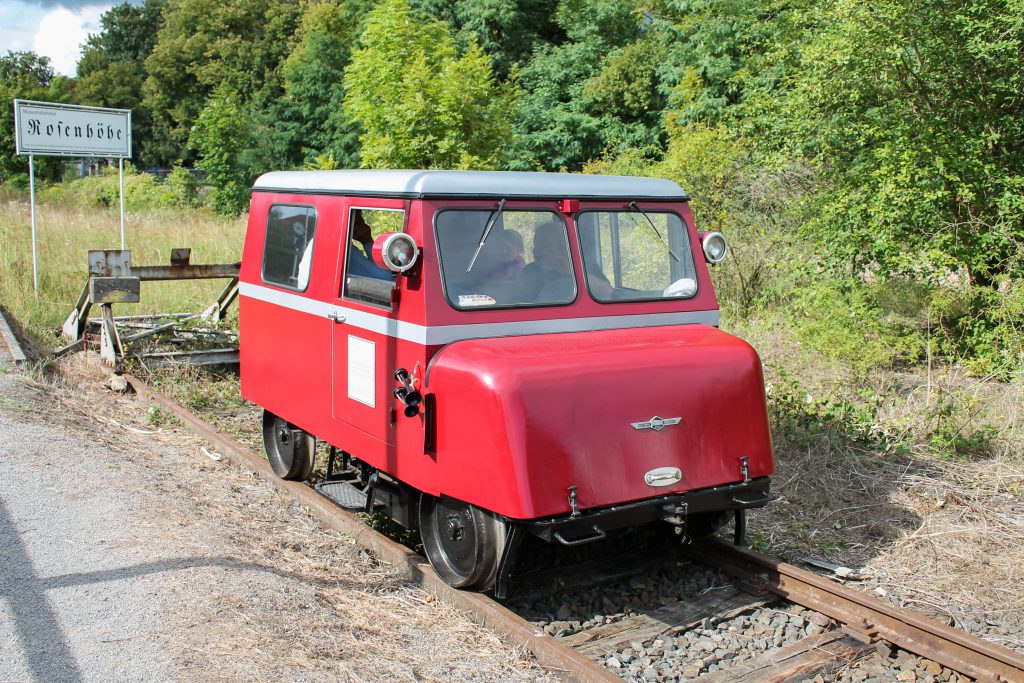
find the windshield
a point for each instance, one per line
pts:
(524, 261)
(625, 260)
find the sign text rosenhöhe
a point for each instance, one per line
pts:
(50, 129)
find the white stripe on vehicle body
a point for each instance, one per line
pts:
(444, 334)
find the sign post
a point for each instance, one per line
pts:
(32, 192)
(67, 130)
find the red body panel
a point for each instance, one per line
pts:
(520, 419)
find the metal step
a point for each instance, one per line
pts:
(343, 494)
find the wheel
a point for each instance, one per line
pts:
(706, 523)
(289, 449)
(462, 542)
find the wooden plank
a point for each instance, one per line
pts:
(673, 618)
(585, 575)
(794, 662)
(8, 338)
(114, 290)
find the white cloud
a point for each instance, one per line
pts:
(18, 22)
(62, 32)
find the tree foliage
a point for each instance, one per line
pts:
(915, 116)
(220, 136)
(26, 76)
(847, 147)
(419, 104)
(205, 44)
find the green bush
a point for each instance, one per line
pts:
(842, 319)
(982, 327)
(142, 191)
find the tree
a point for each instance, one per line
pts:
(25, 75)
(111, 70)
(310, 119)
(204, 44)
(914, 114)
(419, 104)
(221, 134)
(128, 33)
(567, 115)
(507, 30)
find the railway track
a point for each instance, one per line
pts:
(820, 626)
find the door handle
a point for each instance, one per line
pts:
(336, 317)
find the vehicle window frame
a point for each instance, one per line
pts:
(689, 247)
(266, 234)
(506, 307)
(347, 233)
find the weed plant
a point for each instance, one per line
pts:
(72, 221)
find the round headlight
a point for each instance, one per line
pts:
(399, 252)
(715, 247)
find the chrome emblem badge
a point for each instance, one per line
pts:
(656, 423)
(663, 476)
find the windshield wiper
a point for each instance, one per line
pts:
(487, 231)
(633, 205)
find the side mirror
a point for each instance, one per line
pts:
(395, 251)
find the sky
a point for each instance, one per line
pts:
(47, 27)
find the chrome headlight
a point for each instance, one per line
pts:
(715, 247)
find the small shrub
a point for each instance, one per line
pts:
(182, 189)
(142, 191)
(841, 319)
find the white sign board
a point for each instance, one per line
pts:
(72, 131)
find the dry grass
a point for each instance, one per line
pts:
(67, 232)
(940, 533)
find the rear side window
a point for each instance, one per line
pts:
(288, 248)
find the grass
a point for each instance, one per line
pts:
(66, 232)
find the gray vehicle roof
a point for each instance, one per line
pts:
(465, 184)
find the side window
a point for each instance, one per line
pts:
(364, 280)
(288, 248)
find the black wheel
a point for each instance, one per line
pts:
(706, 523)
(462, 542)
(289, 449)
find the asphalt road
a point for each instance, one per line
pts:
(76, 597)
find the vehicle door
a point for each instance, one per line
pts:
(363, 338)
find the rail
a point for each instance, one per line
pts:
(864, 614)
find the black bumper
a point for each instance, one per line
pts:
(591, 525)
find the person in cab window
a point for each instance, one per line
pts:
(510, 262)
(360, 251)
(302, 276)
(549, 278)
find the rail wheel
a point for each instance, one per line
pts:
(706, 523)
(289, 449)
(462, 542)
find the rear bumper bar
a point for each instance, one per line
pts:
(591, 525)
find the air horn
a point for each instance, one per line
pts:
(406, 394)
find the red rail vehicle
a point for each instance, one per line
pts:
(493, 354)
